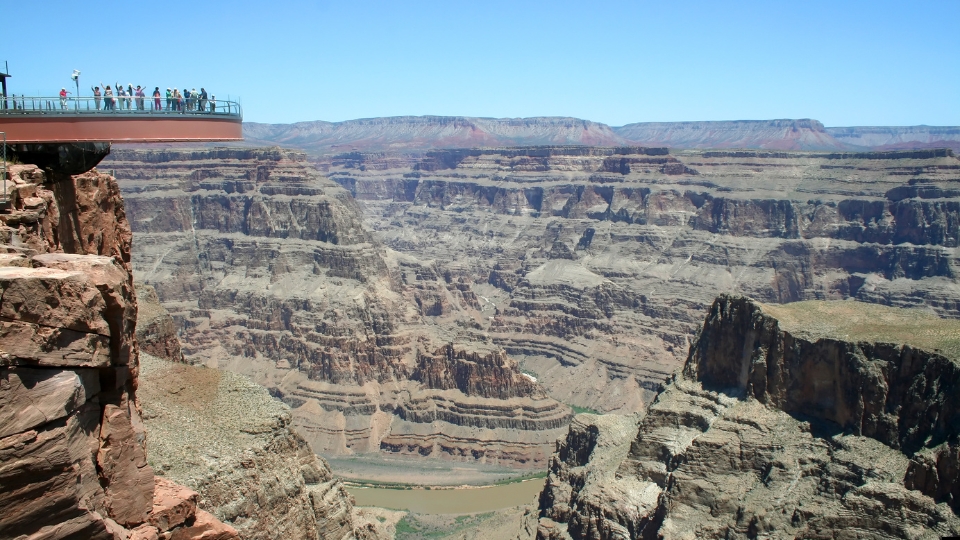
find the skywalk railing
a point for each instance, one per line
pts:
(117, 105)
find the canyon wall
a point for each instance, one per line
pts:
(268, 270)
(73, 453)
(809, 420)
(592, 266)
(227, 438)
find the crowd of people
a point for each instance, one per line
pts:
(119, 98)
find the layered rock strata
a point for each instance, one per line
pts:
(268, 270)
(73, 458)
(228, 439)
(811, 420)
(592, 266)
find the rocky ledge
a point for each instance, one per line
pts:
(807, 420)
(73, 461)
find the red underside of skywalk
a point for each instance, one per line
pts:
(31, 129)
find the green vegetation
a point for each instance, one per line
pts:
(422, 527)
(405, 528)
(382, 485)
(514, 480)
(578, 410)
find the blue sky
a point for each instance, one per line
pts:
(842, 62)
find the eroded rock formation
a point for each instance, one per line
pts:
(810, 420)
(592, 266)
(268, 270)
(73, 460)
(228, 439)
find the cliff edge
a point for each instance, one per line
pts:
(806, 420)
(73, 461)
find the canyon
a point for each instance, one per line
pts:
(268, 271)
(102, 440)
(594, 265)
(456, 304)
(379, 305)
(807, 420)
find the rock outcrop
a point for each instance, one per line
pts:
(592, 266)
(156, 329)
(809, 420)
(229, 440)
(268, 270)
(73, 460)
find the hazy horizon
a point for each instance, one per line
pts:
(247, 121)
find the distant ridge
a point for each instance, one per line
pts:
(403, 134)
(420, 133)
(785, 134)
(899, 137)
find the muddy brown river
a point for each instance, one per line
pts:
(450, 501)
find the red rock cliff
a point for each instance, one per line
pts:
(73, 460)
